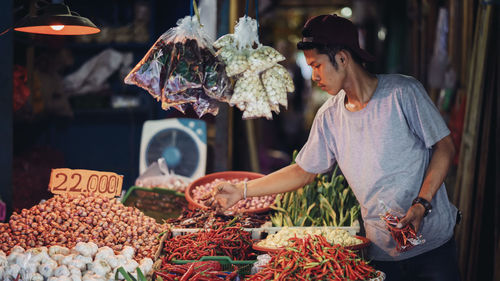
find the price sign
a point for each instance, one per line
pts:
(86, 182)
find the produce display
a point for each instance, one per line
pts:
(86, 261)
(202, 270)
(201, 194)
(231, 241)
(261, 83)
(210, 218)
(323, 202)
(65, 220)
(181, 69)
(333, 236)
(314, 258)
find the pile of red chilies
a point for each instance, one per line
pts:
(233, 242)
(196, 271)
(313, 258)
(403, 236)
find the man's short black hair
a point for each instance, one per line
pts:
(330, 51)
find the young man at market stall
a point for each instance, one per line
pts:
(391, 144)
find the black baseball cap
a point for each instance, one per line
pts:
(332, 30)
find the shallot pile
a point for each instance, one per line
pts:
(199, 192)
(65, 220)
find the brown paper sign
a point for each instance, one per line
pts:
(85, 182)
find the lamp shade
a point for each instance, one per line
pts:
(56, 19)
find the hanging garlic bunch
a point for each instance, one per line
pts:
(261, 83)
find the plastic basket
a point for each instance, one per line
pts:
(158, 203)
(244, 267)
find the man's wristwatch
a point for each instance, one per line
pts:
(427, 205)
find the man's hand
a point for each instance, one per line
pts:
(414, 217)
(227, 194)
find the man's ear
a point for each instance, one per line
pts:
(343, 57)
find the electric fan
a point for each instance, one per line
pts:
(182, 142)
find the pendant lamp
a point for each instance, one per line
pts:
(56, 19)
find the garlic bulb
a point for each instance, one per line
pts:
(130, 266)
(74, 271)
(117, 261)
(86, 249)
(28, 270)
(128, 252)
(17, 249)
(53, 250)
(36, 277)
(103, 253)
(66, 260)
(146, 265)
(61, 270)
(100, 267)
(12, 270)
(58, 258)
(91, 276)
(47, 269)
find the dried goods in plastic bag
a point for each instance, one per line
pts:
(225, 41)
(275, 85)
(263, 58)
(183, 59)
(148, 72)
(236, 61)
(283, 72)
(249, 95)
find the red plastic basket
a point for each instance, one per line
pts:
(228, 175)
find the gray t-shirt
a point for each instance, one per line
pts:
(383, 151)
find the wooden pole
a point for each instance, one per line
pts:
(467, 15)
(480, 184)
(496, 215)
(468, 150)
(249, 124)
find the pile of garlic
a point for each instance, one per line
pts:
(261, 83)
(85, 262)
(332, 235)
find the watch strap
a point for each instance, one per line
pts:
(427, 205)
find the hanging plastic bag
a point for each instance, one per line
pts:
(258, 89)
(406, 237)
(148, 72)
(181, 60)
(275, 85)
(264, 57)
(249, 95)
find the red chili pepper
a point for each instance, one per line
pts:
(188, 273)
